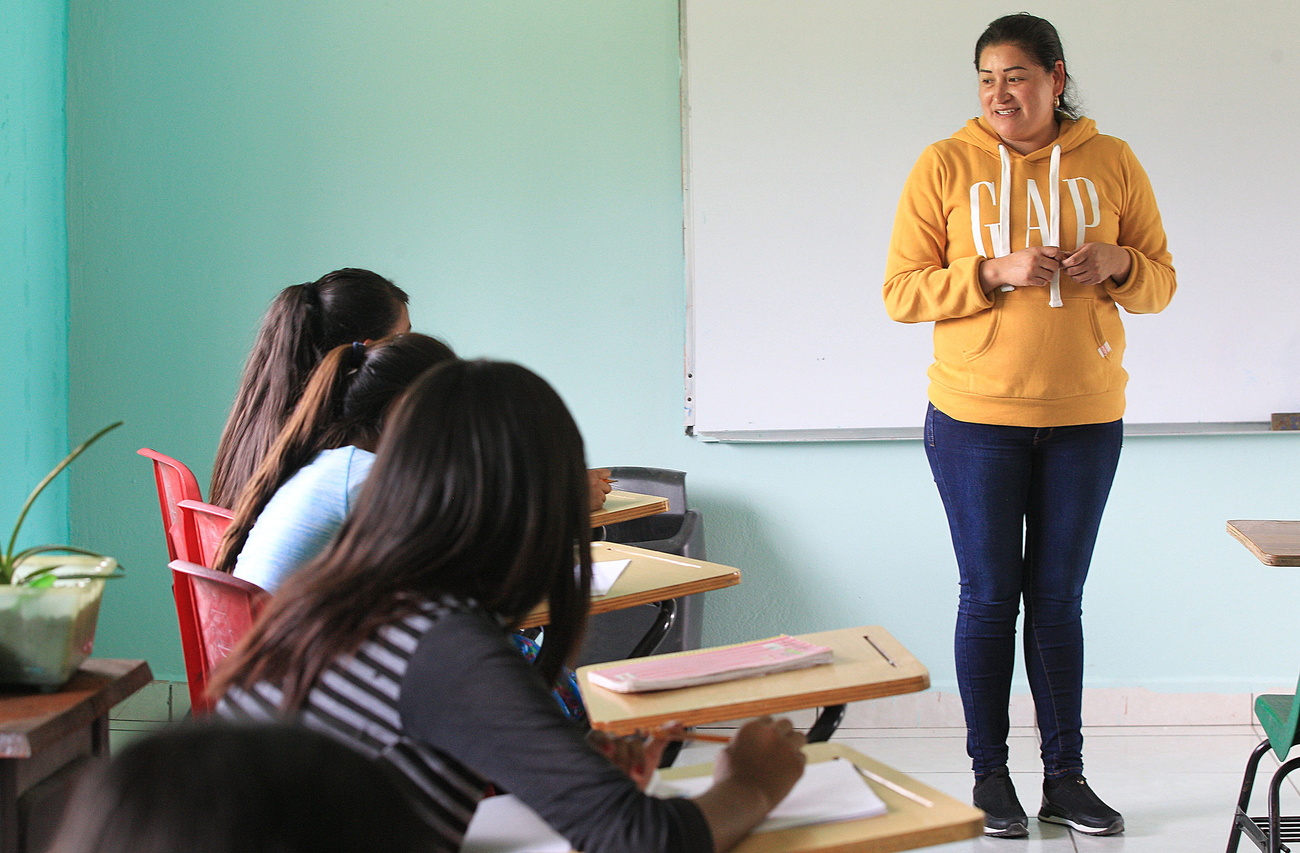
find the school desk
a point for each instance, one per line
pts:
(650, 578)
(1275, 543)
(625, 506)
(869, 664)
(918, 818)
(45, 738)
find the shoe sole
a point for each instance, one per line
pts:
(1112, 829)
(1015, 830)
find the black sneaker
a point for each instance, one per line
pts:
(1004, 817)
(1071, 802)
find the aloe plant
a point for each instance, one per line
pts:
(9, 561)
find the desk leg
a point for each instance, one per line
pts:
(827, 722)
(657, 630)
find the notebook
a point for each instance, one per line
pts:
(763, 657)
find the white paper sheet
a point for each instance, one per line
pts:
(604, 573)
(505, 825)
(828, 791)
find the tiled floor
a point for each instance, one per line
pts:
(1176, 786)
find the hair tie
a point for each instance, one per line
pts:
(358, 352)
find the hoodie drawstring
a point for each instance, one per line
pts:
(1003, 247)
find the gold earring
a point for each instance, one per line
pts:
(1056, 102)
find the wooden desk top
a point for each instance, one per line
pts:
(625, 506)
(863, 669)
(650, 577)
(908, 824)
(31, 721)
(1275, 543)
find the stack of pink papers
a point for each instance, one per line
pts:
(778, 654)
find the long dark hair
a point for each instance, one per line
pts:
(344, 403)
(478, 490)
(221, 787)
(1038, 38)
(304, 322)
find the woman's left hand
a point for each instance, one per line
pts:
(1093, 263)
(636, 756)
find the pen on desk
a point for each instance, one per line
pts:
(887, 658)
(897, 789)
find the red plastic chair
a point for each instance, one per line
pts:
(202, 526)
(215, 610)
(176, 483)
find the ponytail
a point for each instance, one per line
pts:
(344, 403)
(304, 322)
(313, 426)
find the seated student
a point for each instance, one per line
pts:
(228, 788)
(394, 640)
(304, 322)
(301, 492)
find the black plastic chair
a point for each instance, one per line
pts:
(671, 626)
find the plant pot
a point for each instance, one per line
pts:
(46, 632)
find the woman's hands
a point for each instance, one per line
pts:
(598, 482)
(1090, 264)
(751, 775)
(1093, 263)
(636, 756)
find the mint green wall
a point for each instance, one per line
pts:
(516, 167)
(33, 249)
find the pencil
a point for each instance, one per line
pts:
(689, 736)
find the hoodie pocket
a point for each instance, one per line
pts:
(1030, 350)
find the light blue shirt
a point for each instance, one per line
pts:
(302, 516)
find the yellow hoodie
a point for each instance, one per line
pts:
(1010, 357)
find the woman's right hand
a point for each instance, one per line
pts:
(1031, 267)
(765, 755)
(750, 776)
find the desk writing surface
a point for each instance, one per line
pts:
(650, 577)
(1275, 543)
(863, 669)
(907, 825)
(624, 506)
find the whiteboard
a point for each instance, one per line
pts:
(802, 119)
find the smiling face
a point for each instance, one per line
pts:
(1017, 96)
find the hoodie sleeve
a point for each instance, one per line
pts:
(1151, 281)
(921, 283)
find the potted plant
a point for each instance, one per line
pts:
(49, 599)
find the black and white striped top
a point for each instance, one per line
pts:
(443, 690)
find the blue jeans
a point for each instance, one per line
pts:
(1023, 506)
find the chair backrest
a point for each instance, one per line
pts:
(215, 610)
(175, 483)
(678, 531)
(202, 526)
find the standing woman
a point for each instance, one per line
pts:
(1020, 237)
(304, 322)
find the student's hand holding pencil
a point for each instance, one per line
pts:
(750, 776)
(600, 486)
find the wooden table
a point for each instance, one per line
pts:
(1275, 543)
(44, 740)
(651, 578)
(625, 506)
(869, 664)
